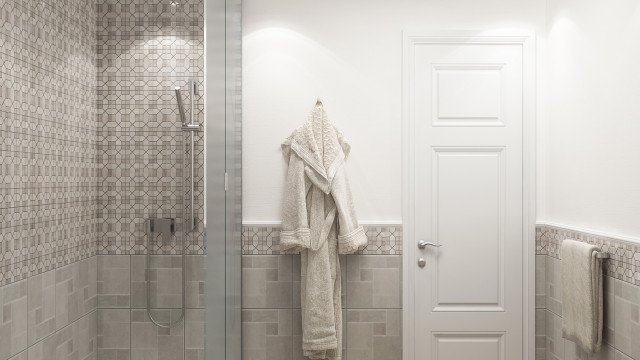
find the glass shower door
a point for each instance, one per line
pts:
(223, 179)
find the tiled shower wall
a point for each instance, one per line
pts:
(48, 176)
(621, 297)
(371, 297)
(145, 49)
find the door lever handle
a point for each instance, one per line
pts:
(422, 244)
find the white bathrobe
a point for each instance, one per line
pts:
(319, 222)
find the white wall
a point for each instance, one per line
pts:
(592, 134)
(350, 54)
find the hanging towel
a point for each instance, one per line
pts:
(582, 295)
(319, 222)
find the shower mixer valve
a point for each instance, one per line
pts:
(164, 227)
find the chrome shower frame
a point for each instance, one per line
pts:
(187, 226)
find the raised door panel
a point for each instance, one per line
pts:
(468, 196)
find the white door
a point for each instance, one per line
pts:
(465, 107)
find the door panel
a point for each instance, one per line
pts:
(469, 346)
(466, 108)
(468, 185)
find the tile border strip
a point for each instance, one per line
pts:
(24, 269)
(265, 240)
(624, 263)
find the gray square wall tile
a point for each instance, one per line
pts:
(553, 288)
(114, 333)
(151, 342)
(42, 306)
(541, 281)
(627, 319)
(75, 341)
(267, 334)
(374, 282)
(13, 319)
(196, 276)
(374, 334)
(194, 334)
(114, 281)
(76, 291)
(267, 281)
(166, 281)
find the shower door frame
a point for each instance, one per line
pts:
(527, 39)
(223, 185)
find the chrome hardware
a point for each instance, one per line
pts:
(191, 127)
(165, 227)
(602, 255)
(422, 244)
(422, 262)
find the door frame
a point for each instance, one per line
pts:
(527, 41)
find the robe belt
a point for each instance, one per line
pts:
(316, 244)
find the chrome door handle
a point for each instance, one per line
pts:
(422, 244)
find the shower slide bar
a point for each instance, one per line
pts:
(188, 227)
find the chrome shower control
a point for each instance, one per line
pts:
(422, 262)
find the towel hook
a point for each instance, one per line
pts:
(319, 102)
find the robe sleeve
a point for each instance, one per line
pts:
(295, 234)
(351, 236)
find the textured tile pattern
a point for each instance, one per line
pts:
(265, 240)
(151, 342)
(76, 291)
(621, 308)
(145, 49)
(75, 341)
(124, 331)
(374, 334)
(624, 263)
(48, 136)
(371, 288)
(114, 334)
(50, 313)
(13, 319)
(42, 306)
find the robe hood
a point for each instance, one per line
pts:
(321, 146)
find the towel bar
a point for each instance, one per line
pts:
(602, 255)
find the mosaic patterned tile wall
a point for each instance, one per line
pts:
(371, 297)
(265, 240)
(48, 136)
(145, 49)
(624, 263)
(621, 299)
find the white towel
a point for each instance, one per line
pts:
(581, 295)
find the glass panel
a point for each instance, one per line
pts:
(223, 153)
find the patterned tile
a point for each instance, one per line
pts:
(374, 334)
(13, 319)
(151, 342)
(267, 334)
(114, 284)
(267, 281)
(77, 340)
(145, 49)
(114, 334)
(624, 263)
(41, 296)
(374, 282)
(48, 136)
(621, 299)
(76, 291)
(265, 240)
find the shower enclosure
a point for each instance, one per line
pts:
(168, 92)
(120, 205)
